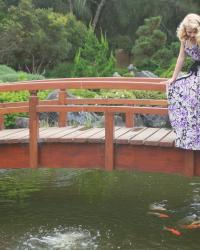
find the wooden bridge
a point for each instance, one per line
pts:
(110, 147)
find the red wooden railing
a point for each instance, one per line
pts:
(63, 104)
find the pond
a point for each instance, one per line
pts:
(92, 209)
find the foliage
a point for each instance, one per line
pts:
(150, 41)
(122, 41)
(84, 93)
(105, 93)
(8, 74)
(121, 17)
(127, 15)
(36, 39)
(116, 93)
(61, 70)
(17, 97)
(169, 71)
(94, 58)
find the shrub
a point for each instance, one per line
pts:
(61, 70)
(94, 58)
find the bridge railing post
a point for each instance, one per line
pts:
(109, 139)
(33, 129)
(129, 119)
(62, 118)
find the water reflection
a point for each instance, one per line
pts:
(84, 209)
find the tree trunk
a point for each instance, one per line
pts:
(97, 14)
(70, 6)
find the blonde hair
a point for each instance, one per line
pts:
(190, 21)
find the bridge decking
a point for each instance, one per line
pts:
(138, 148)
(136, 136)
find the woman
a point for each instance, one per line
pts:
(183, 93)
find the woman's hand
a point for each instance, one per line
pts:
(169, 81)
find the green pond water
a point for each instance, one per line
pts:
(92, 209)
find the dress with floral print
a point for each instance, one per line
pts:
(184, 105)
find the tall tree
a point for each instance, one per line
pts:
(150, 40)
(98, 13)
(36, 39)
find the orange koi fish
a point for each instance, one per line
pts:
(191, 226)
(173, 231)
(160, 215)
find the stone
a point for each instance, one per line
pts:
(146, 73)
(73, 118)
(155, 121)
(22, 122)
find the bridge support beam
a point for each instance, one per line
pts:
(33, 130)
(189, 163)
(109, 146)
(62, 118)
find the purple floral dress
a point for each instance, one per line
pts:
(184, 104)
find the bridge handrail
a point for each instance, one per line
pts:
(89, 83)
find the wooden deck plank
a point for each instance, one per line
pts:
(52, 134)
(48, 131)
(70, 137)
(125, 138)
(141, 137)
(168, 140)
(100, 136)
(62, 132)
(7, 132)
(15, 138)
(155, 139)
(88, 133)
(121, 131)
(20, 136)
(94, 131)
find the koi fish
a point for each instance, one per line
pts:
(191, 226)
(160, 215)
(173, 231)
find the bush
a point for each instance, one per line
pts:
(62, 70)
(169, 72)
(4, 69)
(94, 58)
(8, 74)
(150, 40)
(122, 42)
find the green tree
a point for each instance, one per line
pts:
(37, 39)
(150, 40)
(94, 58)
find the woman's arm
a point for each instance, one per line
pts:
(179, 64)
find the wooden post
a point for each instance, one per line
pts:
(189, 162)
(109, 147)
(62, 120)
(129, 119)
(33, 130)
